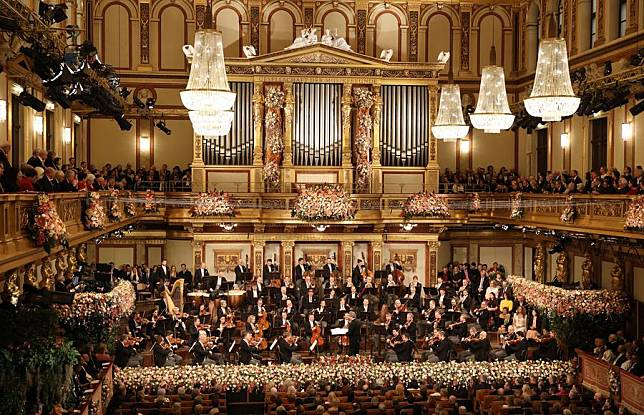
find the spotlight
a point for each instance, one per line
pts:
(52, 13)
(608, 68)
(161, 126)
(125, 92)
(636, 109)
(150, 103)
(556, 249)
(139, 103)
(505, 227)
(124, 124)
(31, 101)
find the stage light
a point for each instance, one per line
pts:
(408, 227)
(636, 109)
(31, 101)
(565, 140)
(608, 68)
(52, 13)
(320, 227)
(627, 131)
(138, 102)
(125, 92)
(124, 124)
(161, 126)
(150, 103)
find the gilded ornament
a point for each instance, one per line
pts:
(30, 275)
(561, 273)
(46, 275)
(82, 253)
(12, 286)
(587, 272)
(617, 278)
(539, 263)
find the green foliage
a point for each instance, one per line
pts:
(23, 324)
(581, 330)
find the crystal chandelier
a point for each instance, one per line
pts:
(408, 227)
(492, 112)
(552, 96)
(207, 95)
(227, 226)
(320, 227)
(449, 123)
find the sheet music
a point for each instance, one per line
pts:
(340, 331)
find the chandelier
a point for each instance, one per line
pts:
(492, 112)
(207, 95)
(449, 123)
(227, 226)
(408, 227)
(552, 96)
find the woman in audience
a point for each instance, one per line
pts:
(520, 320)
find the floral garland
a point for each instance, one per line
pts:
(46, 228)
(273, 102)
(116, 210)
(517, 206)
(570, 211)
(569, 303)
(475, 202)
(150, 205)
(324, 202)
(108, 307)
(635, 215)
(442, 373)
(95, 216)
(363, 99)
(426, 205)
(130, 205)
(214, 204)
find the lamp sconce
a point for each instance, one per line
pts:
(565, 140)
(627, 131)
(38, 124)
(465, 146)
(144, 143)
(3, 110)
(67, 135)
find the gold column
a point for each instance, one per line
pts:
(196, 255)
(287, 163)
(347, 261)
(376, 252)
(432, 254)
(376, 179)
(258, 133)
(347, 167)
(198, 166)
(633, 16)
(432, 170)
(258, 258)
(287, 258)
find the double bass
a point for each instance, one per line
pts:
(316, 335)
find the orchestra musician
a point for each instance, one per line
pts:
(353, 298)
(202, 351)
(409, 327)
(308, 302)
(252, 295)
(162, 352)
(402, 346)
(287, 348)
(223, 310)
(364, 312)
(328, 268)
(240, 269)
(458, 329)
(399, 314)
(356, 274)
(248, 353)
(126, 354)
(479, 346)
(353, 333)
(299, 270)
(218, 283)
(440, 347)
(516, 349)
(393, 266)
(200, 274)
(269, 268)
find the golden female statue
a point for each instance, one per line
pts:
(539, 263)
(72, 264)
(46, 275)
(587, 272)
(562, 267)
(30, 275)
(617, 278)
(61, 264)
(82, 253)
(11, 286)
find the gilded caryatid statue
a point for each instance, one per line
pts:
(61, 264)
(30, 275)
(617, 278)
(587, 273)
(539, 264)
(72, 263)
(561, 273)
(12, 286)
(46, 275)
(82, 253)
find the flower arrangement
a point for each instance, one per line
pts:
(426, 205)
(363, 99)
(516, 206)
(150, 205)
(329, 372)
(95, 216)
(116, 210)
(108, 307)
(570, 211)
(273, 102)
(323, 202)
(569, 303)
(214, 204)
(634, 217)
(45, 226)
(475, 202)
(130, 205)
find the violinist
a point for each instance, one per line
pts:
(403, 348)
(309, 326)
(465, 301)
(439, 321)
(548, 350)
(430, 312)
(290, 309)
(283, 322)
(126, 354)
(134, 324)
(483, 315)
(365, 312)
(202, 351)
(440, 347)
(458, 329)
(223, 310)
(259, 309)
(400, 313)
(193, 329)
(162, 352)
(248, 353)
(480, 346)
(409, 327)
(287, 347)
(516, 349)
(251, 327)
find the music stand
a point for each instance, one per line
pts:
(275, 275)
(227, 286)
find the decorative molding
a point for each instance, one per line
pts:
(254, 27)
(200, 13)
(413, 36)
(632, 16)
(362, 31)
(573, 27)
(601, 32)
(308, 17)
(465, 41)
(144, 20)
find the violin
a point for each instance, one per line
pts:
(259, 341)
(133, 341)
(230, 321)
(262, 322)
(316, 335)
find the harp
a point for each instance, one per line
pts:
(174, 297)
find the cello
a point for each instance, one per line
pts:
(316, 335)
